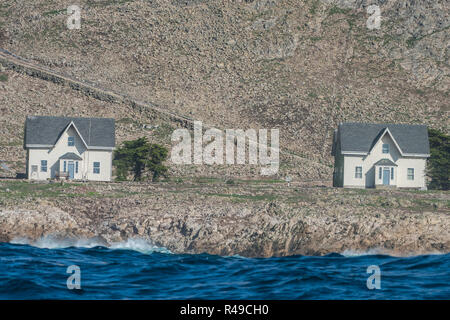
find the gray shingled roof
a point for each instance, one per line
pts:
(360, 137)
(385, 162)
(45, 130)
(71, 156)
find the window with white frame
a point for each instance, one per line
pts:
(410, 173)
(96, 167)
(358, 172)
(385, 148)
(380, 173)
(43, 165)
(392, 173)
(71, 141)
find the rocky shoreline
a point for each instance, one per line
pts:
(262, 221)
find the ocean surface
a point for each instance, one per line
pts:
(137, 270)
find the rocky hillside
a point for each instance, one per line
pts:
(300, 66)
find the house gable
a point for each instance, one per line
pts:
(69, 132)
(386, 137)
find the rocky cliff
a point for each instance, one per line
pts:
(256, 220)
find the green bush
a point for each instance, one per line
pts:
(139, 157)
(439, 161)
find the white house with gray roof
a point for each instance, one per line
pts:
(369, 155)
(73, 148)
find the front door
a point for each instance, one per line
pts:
(71, 170)
(386, 176)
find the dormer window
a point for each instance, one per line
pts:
(385, 148)
(71, 141)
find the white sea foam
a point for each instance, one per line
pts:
(50, 242)
(138, 244)
(380, 251)
(357, 253)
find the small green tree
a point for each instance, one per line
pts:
(439, 161)
(138, 157)
(158, 154)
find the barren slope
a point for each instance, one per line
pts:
(300, 66)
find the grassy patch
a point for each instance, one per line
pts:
(214, 180)
(264, 197)
(11, 143)
(429, 204)
(336, 10)
(126, 121)
(314, 7)
(54, 12)
(105, 3)
(300, 197)
(24, 189)
(207, 180)
(356, 191)
(411, 42)
(259, 181)
(312, 95)
(163, 132)
(3, 77)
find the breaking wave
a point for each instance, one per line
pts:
(50, 242)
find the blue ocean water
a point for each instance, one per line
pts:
(30, 272)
